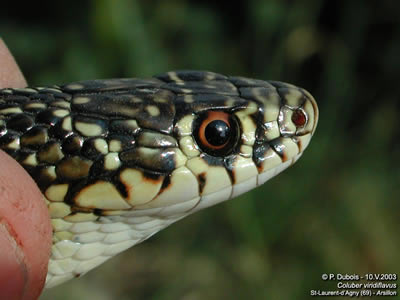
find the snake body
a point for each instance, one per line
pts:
(118, 160)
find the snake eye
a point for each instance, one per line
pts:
(216, 132)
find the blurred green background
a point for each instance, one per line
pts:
(335, 211)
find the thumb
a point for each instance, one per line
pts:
(25, 233)
(10, 74)
(25, 229)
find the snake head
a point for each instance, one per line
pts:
(120, 159)
(237, 138)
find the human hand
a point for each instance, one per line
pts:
(25, 228)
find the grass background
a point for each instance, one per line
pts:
(335, 211)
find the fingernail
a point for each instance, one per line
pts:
(13, 275)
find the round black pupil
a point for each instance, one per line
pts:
(217, 133)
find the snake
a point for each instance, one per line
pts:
(117, 160)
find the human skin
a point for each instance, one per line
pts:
(25, 228)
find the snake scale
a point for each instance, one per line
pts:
(120, 159)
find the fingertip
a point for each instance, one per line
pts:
(25, 229)
(10, 74)
(24, 212)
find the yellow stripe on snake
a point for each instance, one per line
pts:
(120, 159)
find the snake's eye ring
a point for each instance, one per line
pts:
(216, 132)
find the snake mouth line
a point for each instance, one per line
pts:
(235, 190)
(265, 176)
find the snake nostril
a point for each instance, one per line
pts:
(299, 118)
